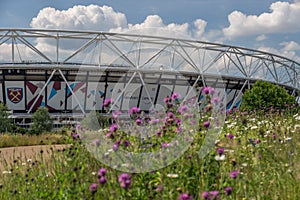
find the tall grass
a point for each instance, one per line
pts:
(256, 157)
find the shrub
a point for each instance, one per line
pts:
(267, 95)
(5, 122)
(42, 121)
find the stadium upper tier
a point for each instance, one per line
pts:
(46, 67)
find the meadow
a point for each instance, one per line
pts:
(256, 156)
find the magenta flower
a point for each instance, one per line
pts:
(228, 190)
(208, 90)
(134, 110)
(183, 109)
(206, 124)
(220, 151)
(206, 195)
(230, 136)
(138, 121)
(107, 102)
(185, 196)
(234, 173)
(116, 114)
(113, 127)
(214, 194)
(93, 188)
(175, 96)
(96, 142)
(101, 172)
(102, 180)
(124, 180)
(167, 100)
(126, 143)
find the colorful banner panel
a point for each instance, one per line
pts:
(79, 89)
(56, 91)
(33, 89)
(94, 96)
(15, 95)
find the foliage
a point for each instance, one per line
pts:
(5, 122)
(252, 167)
(95, 120)
(265, 95)
(42, 121)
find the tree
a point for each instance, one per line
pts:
(5, 122)
(42, 121)
(265, 95)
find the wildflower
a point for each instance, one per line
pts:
(208, 90)
(75, 136)
(113, 127)
(230, 136)
(93, 188)
(214, 100)
(172, 175)
(175, 96)
(167, 100)
(214, 194)
(124, 180)
(228, 190)
(126, 143)
(154, 121)
(101, 172)
(102, 180)
(134, 110)
(185, 196)
(116, 114)
(97, 142)
(183, 109)
(220, 157)
(220, 151)
(138, 121)
(234, 173)
(107, 102)
(159, 188)
(206, 124)
(206, 195)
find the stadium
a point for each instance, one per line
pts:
(72, 72)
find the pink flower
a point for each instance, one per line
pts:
(107, 102)
(175, 96)
(234, 173)
(134, 110)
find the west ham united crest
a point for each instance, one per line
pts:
(14, 94)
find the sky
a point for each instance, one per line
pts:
(266, 25)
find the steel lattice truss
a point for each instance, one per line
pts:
(58, 51)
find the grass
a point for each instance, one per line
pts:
(263, 148)
(15, 140)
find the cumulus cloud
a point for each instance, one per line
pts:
(282, 18)
(290, 46)
(291, 54)
(79, 17)
(105, 18)
(261, 37)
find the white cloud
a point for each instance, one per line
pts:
(290, 46)
(200, 27)
(282, 52)
(283, 18)
(90, 17)
(261, 37)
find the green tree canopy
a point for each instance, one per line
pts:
(264, 95)
(42, 121)
(5, 122)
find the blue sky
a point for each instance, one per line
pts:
(266, 25)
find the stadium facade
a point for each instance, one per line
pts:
(74, 71)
